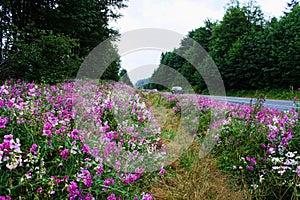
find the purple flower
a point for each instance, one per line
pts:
(99, 171)
(298, 170)
(74, 134)
(8, 137)
(64, 154)
(263, 146)
(3, 122)
(39, 190)
(250, 168)
(33, 147)
(5, 198)
(87, 178)
(73, 189)
(1, 103)
(57, 181)
(109, 181)
(20, 121)
(253, 161)
(10, 104)
(86, 149)
(65, 179)
(147, 197)
(118, 165)
(162, 171)
(104, 128)
(112, 197)
(89, 196)
(229, 139)
(47, 126)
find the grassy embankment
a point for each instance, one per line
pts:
(190, 176)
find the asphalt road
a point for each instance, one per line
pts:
(281, 105)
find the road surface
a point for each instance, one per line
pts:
(281, 105)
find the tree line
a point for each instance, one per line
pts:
(250, 51)
(46, 40)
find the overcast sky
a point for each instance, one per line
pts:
(180, 16)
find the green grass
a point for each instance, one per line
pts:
(287, 94)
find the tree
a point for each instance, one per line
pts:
(125, 78)
(47, 59)
(289, 51)
(250, 52)
(291, 5)
(233, 41)
(84, 21)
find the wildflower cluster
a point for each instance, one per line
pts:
(72, 141)
(259, 144)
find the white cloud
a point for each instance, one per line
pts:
(176, 15)
(180, 16)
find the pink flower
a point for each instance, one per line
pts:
(99, 171)
(8, 137)
(298, 170)
(250, 168)
(162, 171)
(74, 134)
(109, 181)
(20, 121)
(10, 104)
(86, 149)
(253, 161)
(5, 198)
(87, 178)
(3, 122)
(64, 154)
(48, 133)
(89, 196)
(39, 190)
(33, 147)
(112, 197)
(57, 181)
(73, 189)
(65, 179)
(104, 128)
(140, 119)
(1, 103)
(147, 197)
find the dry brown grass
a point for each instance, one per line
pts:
(200, 180)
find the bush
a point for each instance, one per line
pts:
(49, 58)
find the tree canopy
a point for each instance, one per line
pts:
(46, 40)
(250, 51)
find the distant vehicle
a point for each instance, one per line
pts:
(177, 90)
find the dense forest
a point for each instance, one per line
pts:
(46, 40)
(250, 51)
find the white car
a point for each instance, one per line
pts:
(177, 90)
